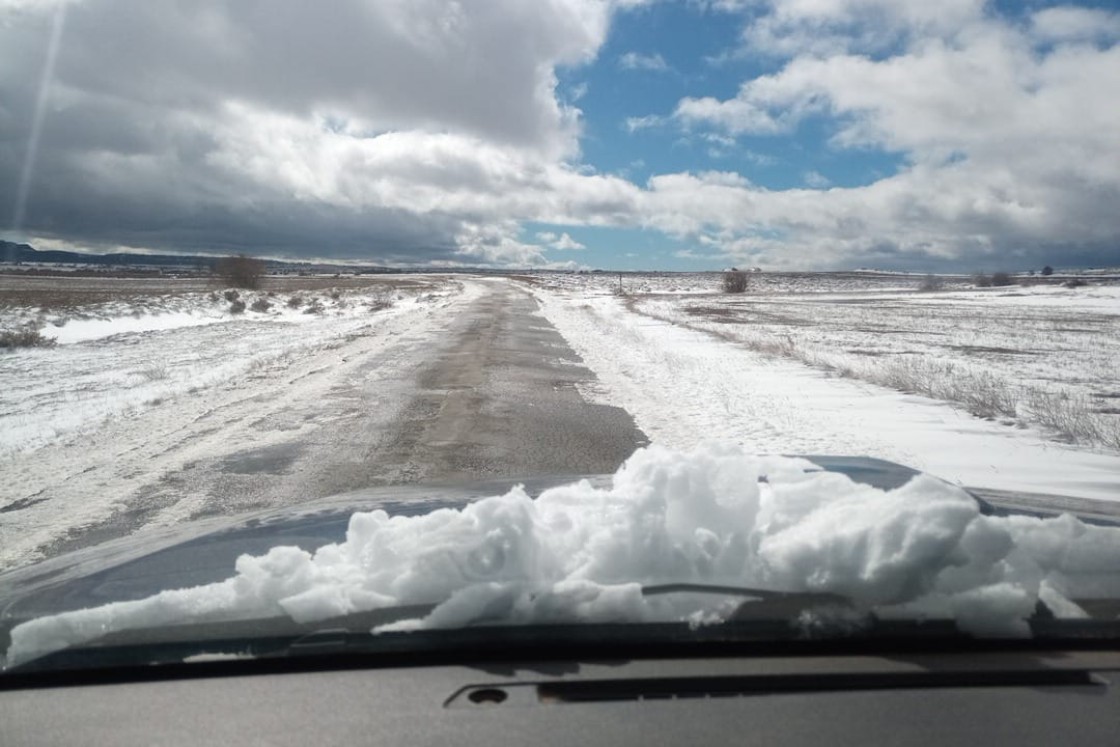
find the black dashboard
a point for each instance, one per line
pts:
(1003, 697)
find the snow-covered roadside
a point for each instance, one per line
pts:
(685, 387)
(228, 388)
(121, 365)
(1015, 356)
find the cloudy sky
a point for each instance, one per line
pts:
(628, 134)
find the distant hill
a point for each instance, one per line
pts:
(22, 253)
(11, 252)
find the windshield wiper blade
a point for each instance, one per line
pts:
(765, 605)
(766, 595)
(344, 631)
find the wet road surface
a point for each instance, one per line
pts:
(502, 401)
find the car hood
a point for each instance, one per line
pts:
(204, 551)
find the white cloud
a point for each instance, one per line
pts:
(567, 243)
(229, 112)
(787, 28)
(496, 244)
(736, 116)
(815, 179)
(1066, 23)
(633, 124)
(759, 159)
(638, 61)
(1006, 145)
(559, 242)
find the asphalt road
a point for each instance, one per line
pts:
(502, 401)
(496, 397)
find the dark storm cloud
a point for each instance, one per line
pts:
(129, 151)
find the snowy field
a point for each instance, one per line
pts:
(1006, 389)
(1044, 356)
(156, 381)
(704, 283)
(130, 353)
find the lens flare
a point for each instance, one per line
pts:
(45, 81)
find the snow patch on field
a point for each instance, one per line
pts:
(81, 330)
(582, 554)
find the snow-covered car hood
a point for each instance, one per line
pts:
(204, 551)
(566, 549)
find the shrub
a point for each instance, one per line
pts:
(240, 271)
(25, 337)
(980, 280)
(1001, 279)
(1047, 270)
(156, 373)
(232, 295)
(735, 281)
(1074, 283)
(261, 305)
(237, 307)
(295, 302)
(382, 299)
(930, 283)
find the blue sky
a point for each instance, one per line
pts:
(655, 56)
(617, 134)
(702, 56)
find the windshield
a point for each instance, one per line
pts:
(710, 320)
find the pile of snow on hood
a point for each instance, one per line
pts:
(713, 515)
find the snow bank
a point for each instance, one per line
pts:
(580, 554)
